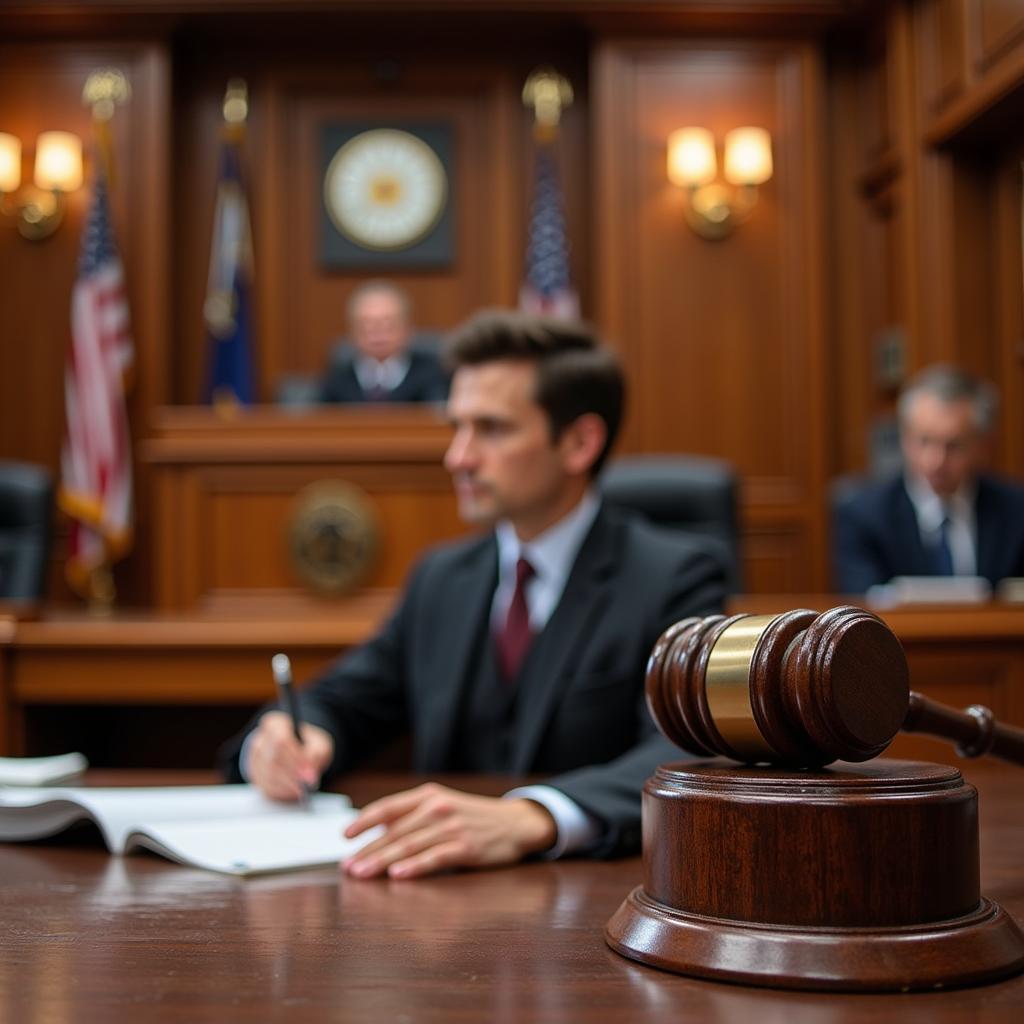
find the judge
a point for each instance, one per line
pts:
(380, 365)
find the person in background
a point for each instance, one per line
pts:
(943, 515)
(381, 367)
(520, 651)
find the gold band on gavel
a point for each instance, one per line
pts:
(727, 685)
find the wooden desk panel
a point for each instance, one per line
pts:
(959, 656)
(92, 938)
(225, 490)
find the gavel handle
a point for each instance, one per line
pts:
(974, 730)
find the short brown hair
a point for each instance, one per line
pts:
(575, 373)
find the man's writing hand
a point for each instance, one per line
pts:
(433, 828)
(279, 765)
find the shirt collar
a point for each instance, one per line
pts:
(553, 552)
(388, 374)
(931, 509)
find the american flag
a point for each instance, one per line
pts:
(547, 287)
(96, 485)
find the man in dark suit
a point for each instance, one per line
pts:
(521, 651)
(942, 515)
(379, 365)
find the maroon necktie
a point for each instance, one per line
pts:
(513, 641)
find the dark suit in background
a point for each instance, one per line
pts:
(876, 537)
(426, 380)
(577, 711)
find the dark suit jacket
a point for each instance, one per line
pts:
(875, 535)
(581, 713)
(426, 381)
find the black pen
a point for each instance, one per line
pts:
(281, 666)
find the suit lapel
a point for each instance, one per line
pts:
(989, 530)
(907, 535)
(466, 602)
(584, 600)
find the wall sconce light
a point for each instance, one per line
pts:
(39, 209)
(715, 209)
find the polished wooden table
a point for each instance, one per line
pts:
(89, 937)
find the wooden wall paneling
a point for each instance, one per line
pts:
(942, 49)
(998, 29)
(314, 300)
(301, 304)
(775, 556)
(933, 255)
(1008, 283)
(723, 340)
(801, 93)
(903, 117)
(971, 243)
(616, 232)
(993, 33)
(40, 88)
(848, 375)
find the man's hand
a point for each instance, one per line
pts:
(279, 765)
(433, 828)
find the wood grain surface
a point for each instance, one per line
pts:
(88, 937)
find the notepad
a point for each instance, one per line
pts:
(231, 829)
(41, 771)
(929, 590)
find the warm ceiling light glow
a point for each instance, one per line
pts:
(58, 161)
(748, 156)
(691, 156)
(10, 162)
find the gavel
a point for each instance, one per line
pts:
(801, 690)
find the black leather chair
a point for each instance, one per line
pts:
(26, 515)
(691, 493)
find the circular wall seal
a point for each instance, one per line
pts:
(332, 536)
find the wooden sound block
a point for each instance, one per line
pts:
(857, 877)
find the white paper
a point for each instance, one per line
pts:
(930, 590)
(231, 829)
(41, 771)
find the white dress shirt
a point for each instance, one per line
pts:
(552, 555)
(387, 375)
(961, 533)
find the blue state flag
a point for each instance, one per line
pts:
(228, 307)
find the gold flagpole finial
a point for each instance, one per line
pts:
(105, 89)
(548, 93)
(235, 108)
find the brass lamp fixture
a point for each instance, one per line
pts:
(39, 208)
(714, 209)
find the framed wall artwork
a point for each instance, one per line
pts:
(386, 196)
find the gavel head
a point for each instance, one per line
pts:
(798, 689)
